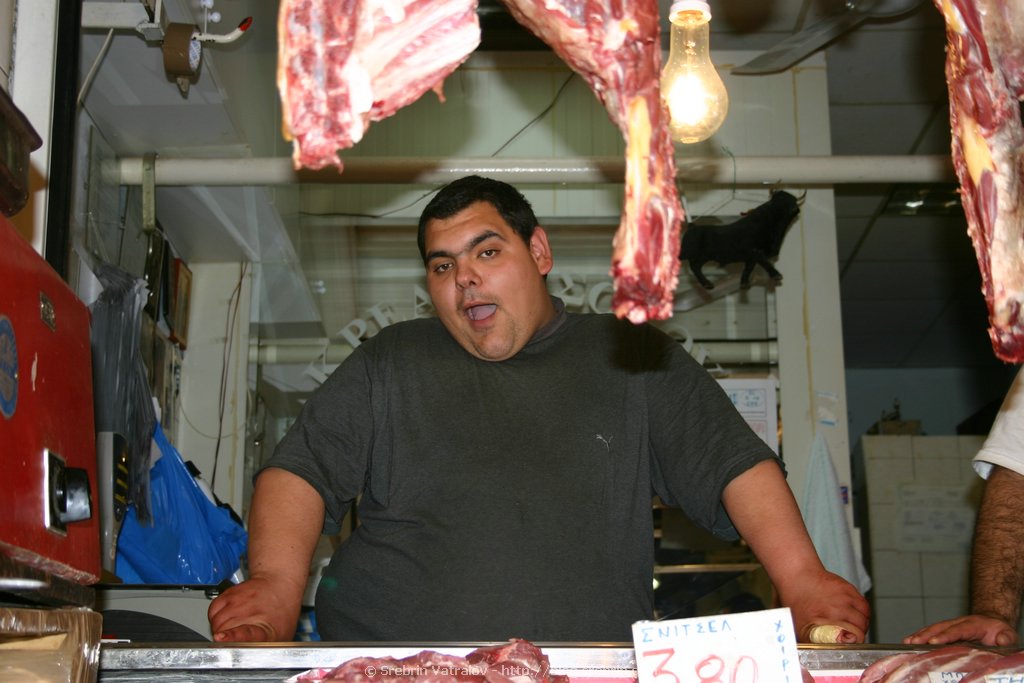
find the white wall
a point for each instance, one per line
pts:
(31, 88)
(6, 41)
(218, 341)
(922, 494)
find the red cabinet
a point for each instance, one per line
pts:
(49, 515)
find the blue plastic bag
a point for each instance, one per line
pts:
(189, 541)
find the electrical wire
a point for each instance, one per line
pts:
(180, 407)
(733, 195)
(375, 215)
(536, 118)
(89, 77)
(509, 141)
(229, 337)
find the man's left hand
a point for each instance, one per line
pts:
(827, 599)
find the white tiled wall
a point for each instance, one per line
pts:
(925, 579)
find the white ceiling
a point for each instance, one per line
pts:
(910, 285)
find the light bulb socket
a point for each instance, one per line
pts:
(681, 6)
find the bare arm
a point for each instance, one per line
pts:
(285, 522)
(764, 511)
(997, 562)
(997, 569)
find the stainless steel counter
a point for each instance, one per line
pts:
(274, 662)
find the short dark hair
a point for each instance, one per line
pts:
(457, 195)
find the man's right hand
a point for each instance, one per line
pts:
(253, 612)
(974, 628)
(285, 519)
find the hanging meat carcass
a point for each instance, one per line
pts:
(985, 76)
(615, 47)
(343, 64)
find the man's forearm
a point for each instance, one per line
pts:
(766, 514)
(997, 560)
(285, 522)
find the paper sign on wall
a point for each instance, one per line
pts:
(747, 647)
(755, 400)
(934, 519)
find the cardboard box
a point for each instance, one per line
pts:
(52, 645)
(890, 427)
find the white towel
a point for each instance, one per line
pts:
(822, 507)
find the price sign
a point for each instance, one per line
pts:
(748, 647)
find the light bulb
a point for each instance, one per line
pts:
(690, 86)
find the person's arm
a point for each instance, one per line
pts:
(997, 569)
(998, 556)
(764, 511)
(285, 522)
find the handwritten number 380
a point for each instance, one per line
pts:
(708, 670)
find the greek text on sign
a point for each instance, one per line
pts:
(747, 647)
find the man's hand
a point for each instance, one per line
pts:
(761, 506)
(285, 519)
(253, 611)
(975, 628)
(826, 599)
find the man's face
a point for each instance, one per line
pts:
(487, 284)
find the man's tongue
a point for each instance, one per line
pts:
(481, 312)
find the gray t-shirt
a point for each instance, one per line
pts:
(511, 499)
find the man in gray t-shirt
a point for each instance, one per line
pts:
(507, 453)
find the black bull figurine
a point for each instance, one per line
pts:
(752, 240)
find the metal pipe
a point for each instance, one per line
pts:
(808, 171)
(763, 352)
